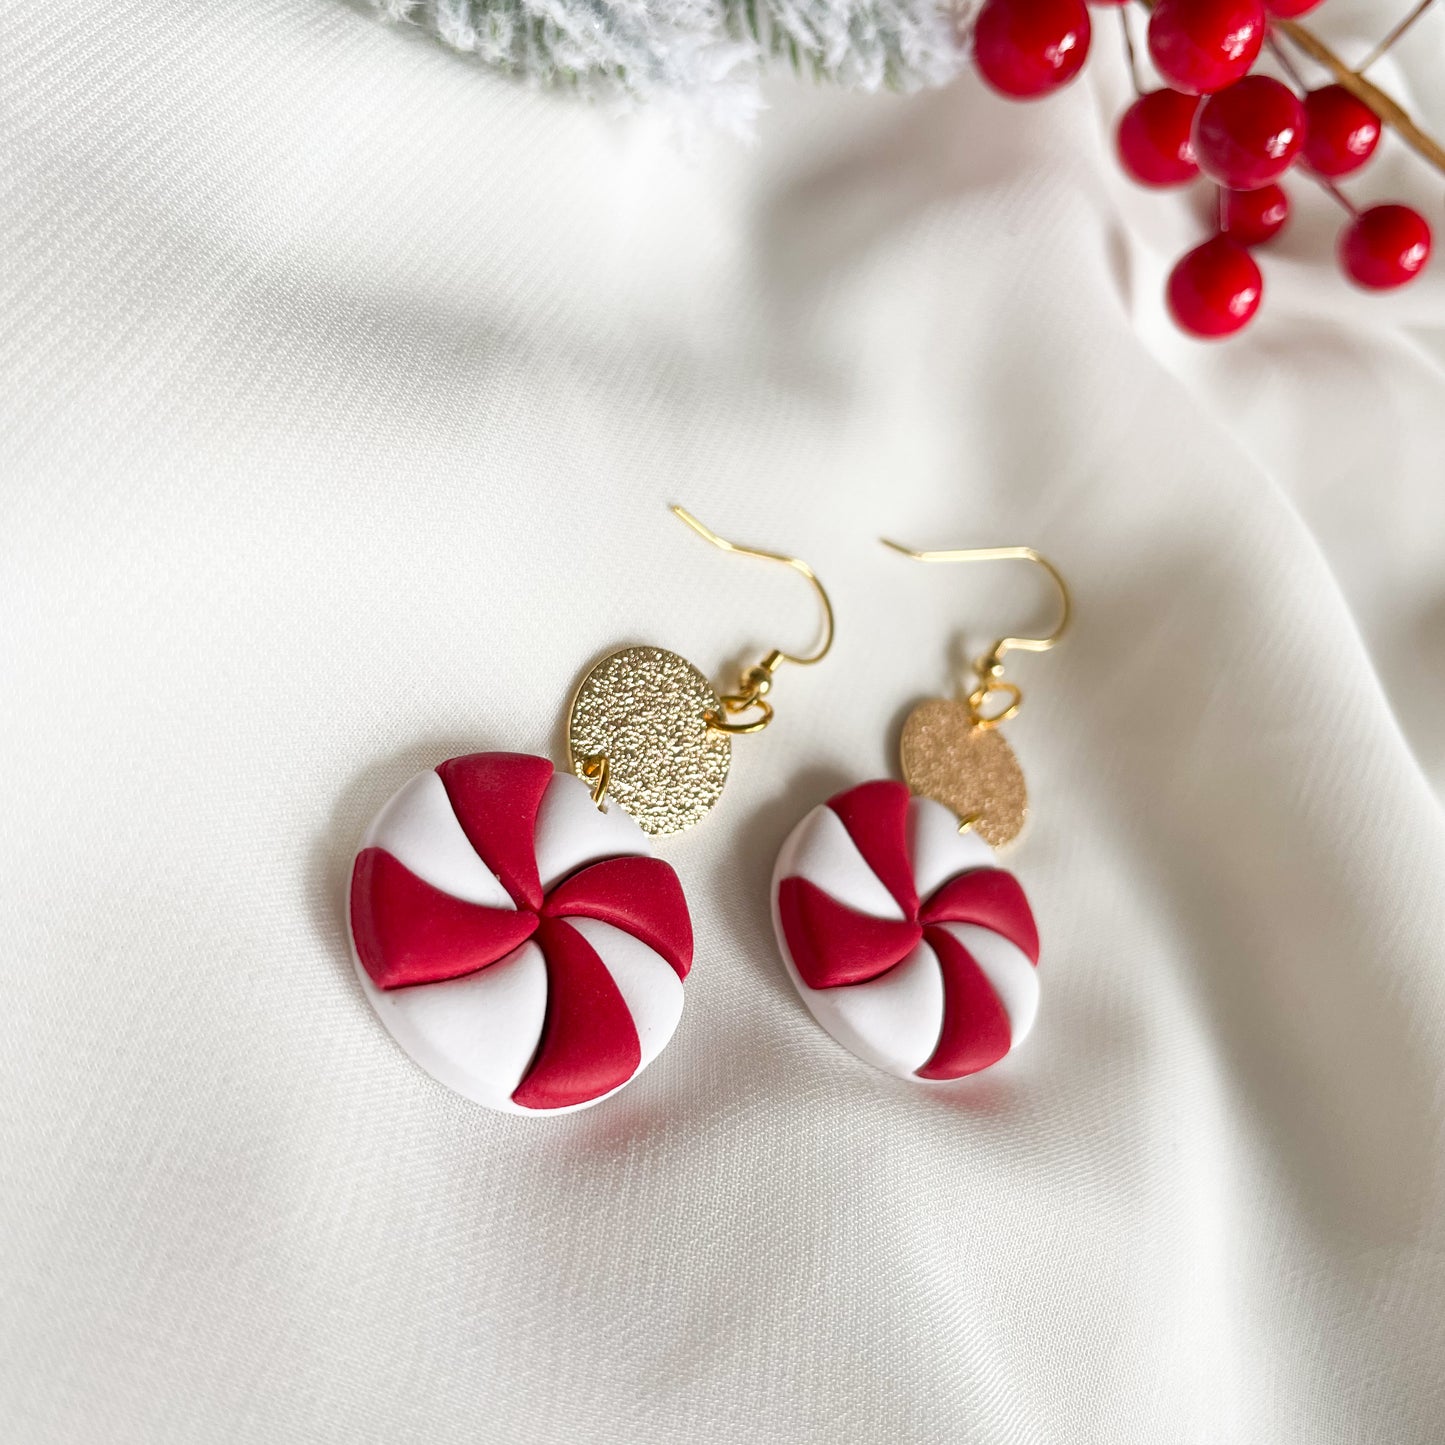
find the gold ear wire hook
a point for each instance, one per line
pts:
(989, 668)
(757, 681)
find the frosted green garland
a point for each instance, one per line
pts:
(700, 56)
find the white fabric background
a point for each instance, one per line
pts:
(343, 391)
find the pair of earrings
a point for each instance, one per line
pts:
(515, 934)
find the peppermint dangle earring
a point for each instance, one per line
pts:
(900, 932)
(508, 921)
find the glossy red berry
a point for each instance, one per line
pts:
(1153, 138)
(1247, 135)
(1253, 217)
(1385, 246)
(1026, 48)
(1341, 131)
(1201, 46)
(1214, 289)
(1289, 9)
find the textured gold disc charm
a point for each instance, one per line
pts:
(967, 768)
(643, 710)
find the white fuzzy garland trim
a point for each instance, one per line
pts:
(699, 57)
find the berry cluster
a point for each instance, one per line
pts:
(1213, 116)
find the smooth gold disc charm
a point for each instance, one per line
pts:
(970, 769)
(638, 724)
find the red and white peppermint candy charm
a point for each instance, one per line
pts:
(524, 948)
(904, 938)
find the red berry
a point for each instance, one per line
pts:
(1289, 9)
(1247, 135)
(1026, 48)
(1253, 217)
(1385, 246)
(1153, 138)
(1201, 46)
(1341, 131)
(1215, 288)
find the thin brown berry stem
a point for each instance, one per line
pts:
(1390, 111)
(1129, 52)
(1286, 64)
(1325, 184)
(1421, 7)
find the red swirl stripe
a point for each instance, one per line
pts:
(589, 1043)
(876, 817)
(408, 932)
(832, 944)
(495, 797)
(976, 1030)
(992, 899)
(637, 894)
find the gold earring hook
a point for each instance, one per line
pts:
(796, 563)
(757, 681)
(989, 668)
